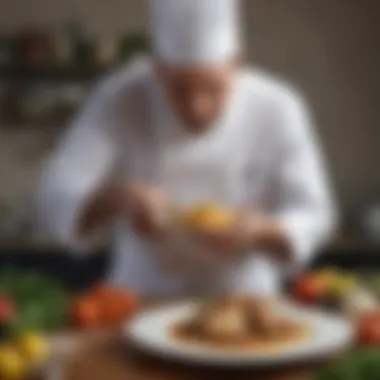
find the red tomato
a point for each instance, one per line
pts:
(86, 313)
(118, 307)
(7, 309)
(111, 312)
(114, 304)
(130, 303)
(102, 291)
(308, 290)
(368, 328)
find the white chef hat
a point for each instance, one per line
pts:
(195, 32)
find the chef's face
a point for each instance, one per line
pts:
(199, 95)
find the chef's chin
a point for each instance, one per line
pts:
(195, 126)
(199, 129)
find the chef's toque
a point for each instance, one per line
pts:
(195, 32)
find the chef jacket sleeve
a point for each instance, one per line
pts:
(305, 206)
(83, 160)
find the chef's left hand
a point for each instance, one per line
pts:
(241, 237)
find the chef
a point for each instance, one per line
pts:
(192, 123)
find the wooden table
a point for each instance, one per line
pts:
(109, 357)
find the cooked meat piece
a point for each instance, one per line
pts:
(263, 318)
(218, 305)
(223, 320)
(234, 317)
(239, 320)
(229, 324)
(286, 329)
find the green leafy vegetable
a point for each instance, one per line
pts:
(41, 301)
(363, 364)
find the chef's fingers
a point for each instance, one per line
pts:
(222, 241)
(150, 222)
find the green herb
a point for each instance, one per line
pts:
(363, 364)
(41, 301)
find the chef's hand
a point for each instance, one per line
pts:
(144, 205)
(240, 236)
(148, 210)
(252, 230)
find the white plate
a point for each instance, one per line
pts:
(150, 332)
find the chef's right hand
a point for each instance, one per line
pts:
(148, 210)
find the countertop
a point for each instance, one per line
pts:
(109, 355)
(25, 244)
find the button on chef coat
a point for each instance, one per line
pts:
(261, 152)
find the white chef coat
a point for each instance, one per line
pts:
(262, 152)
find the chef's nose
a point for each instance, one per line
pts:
(200, 105)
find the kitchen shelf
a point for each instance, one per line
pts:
(52, 72)
(350, 252)
(353, 244)
(75, 273)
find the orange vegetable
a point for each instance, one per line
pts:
(119, 306)
(105, 306)
(130, 303)
(112, 311)
(86, 313)
(102, 292)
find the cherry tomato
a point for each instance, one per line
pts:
(7, 309)
(308, 290)
(368, 328)
(130, 303)
(112, 312)
(124, 304)
(114, 306)
(86, 313)
(102, 292)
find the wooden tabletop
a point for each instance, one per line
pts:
(110, 357)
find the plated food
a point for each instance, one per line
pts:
(239, 331)
(240, 323)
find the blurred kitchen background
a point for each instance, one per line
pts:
(53, 51)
